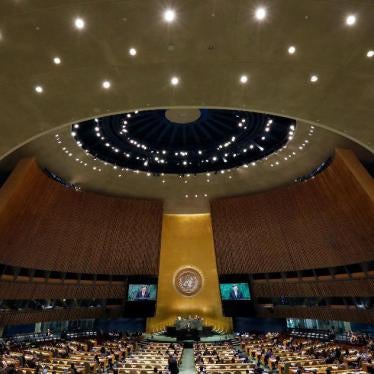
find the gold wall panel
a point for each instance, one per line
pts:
(187, 241)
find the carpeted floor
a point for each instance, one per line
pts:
(187, 366)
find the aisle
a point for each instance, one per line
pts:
(187, 366)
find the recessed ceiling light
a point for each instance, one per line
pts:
(169, 15)
(57, 60)
(174, 81)
(314, 78)
(39, 89)
(106, 85)
(79, 23)
(132, 52)
(243, 79)
(291, 50)
(260, 13)
(351, 20)
(370, 53)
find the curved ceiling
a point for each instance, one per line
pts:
(181, 141)
(208, 48)
(59, 153)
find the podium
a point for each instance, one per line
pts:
(188, 329)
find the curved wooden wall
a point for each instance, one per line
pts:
(25, 317)
(323, 313)
(340, 288)
(326, 221)
(34, 290)
(44, 225)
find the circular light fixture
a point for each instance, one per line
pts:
(57, 60)
(260, 13)
(243, 79)
(370, 53)
(350, 20)
(314, 78)
(39, 89)
(174, 81)
(132, 51)
(169, 15)
(182, 116)
(291, 50)
(106, 85)
(79, 23)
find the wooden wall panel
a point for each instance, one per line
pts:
(25, 291)
(323, 313)
(336, 288)
(326, 221)
(20, 318)
(44, 225)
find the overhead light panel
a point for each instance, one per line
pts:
(169, 15)
(260, 13)
(79, 23)
(39, 89)
(243, 79)
(106, 85)
(57, 60)
(174, 81)
(350, 20)
(291, 50)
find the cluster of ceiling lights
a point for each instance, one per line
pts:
(236, 149)
(169, 16)
(273, 161)
(292, 154)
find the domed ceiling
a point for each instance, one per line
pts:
(180, 141)
(66, 160)
(188, 67)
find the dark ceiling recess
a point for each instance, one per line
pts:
(182, 141)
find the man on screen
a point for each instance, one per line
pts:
(235, 293)
(143, 293)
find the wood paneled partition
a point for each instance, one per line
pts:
(326, 221)
(44, 225)
(322, 313)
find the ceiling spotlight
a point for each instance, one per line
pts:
(243, 79)
(106, 85)
(57, 60)
(132, 52)
(39, 89)
(291, 50)
(314, 78)
(351, 20)
(79, 23)
(174, 81)
(370, 53)
(260, 13)
(169, 15)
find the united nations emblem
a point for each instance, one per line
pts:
(188, 281)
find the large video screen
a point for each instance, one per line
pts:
(142, 292)
(235, 291)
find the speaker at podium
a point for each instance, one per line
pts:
(188, 329)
